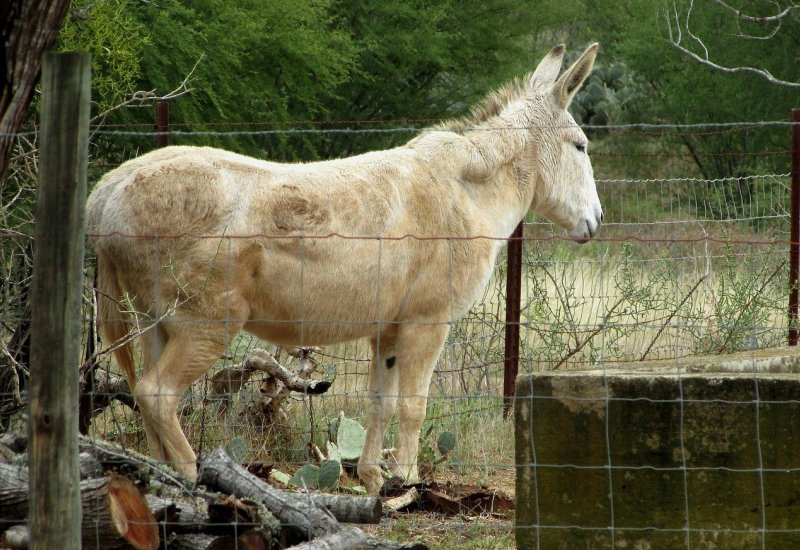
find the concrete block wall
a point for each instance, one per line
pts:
(690, 454)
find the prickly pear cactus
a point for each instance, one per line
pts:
(329, 472)
(306, 476)
(350, 438)
(446, 442)
(236, 449)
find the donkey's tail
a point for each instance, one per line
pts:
(113, 323)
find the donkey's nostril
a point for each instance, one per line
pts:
(602, 216)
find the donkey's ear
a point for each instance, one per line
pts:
(547, 71)
(570, 82)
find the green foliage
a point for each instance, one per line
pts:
(117, 41)
(745, 306)
(294, 61)
(605, 95)
(446, 442)
(428, 461)
(422, 61)
(674, 89)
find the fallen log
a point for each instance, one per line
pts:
(299, 515)
(115, 515)
(253, 539)
(398, 503)
(13, 474)
(350, 509)
(201, 541)
(178, 516)
(17, 536)
(133, 464)
(89, 466)
(231, 379)
(355, 538)
(346, 539)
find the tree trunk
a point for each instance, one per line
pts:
(28, 29)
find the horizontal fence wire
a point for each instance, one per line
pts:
(684, 265)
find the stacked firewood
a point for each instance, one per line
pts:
(131, 501)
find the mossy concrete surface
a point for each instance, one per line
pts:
(700, 453)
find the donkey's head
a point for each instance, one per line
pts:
(564, 188)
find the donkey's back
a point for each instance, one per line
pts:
(359, 238)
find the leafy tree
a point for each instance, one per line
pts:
(679, 91)
(420, 61)
(294, 61)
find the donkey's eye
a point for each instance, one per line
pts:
(580, 147)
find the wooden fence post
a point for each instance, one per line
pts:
(55, 506)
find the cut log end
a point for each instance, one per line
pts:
(130, 515)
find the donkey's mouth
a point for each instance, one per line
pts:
(583, 232)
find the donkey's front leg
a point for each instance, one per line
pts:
(420, 346)
(380, 409)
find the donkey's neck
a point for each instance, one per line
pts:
(506, 190)
(487, 161)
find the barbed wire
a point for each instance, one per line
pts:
(695, 180)
(659, 127)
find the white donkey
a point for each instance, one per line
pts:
(389, 245)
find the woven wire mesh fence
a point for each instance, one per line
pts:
(685, 265)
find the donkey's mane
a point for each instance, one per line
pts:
(491, 106)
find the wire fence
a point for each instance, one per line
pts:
(685, 265)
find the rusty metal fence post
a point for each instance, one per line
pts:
(794, 244)
(162, 124)
(513, 306)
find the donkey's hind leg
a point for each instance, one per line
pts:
(153, 342)
(190, 350)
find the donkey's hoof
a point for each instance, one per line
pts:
(371, 477)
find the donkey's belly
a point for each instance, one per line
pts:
(311, 333)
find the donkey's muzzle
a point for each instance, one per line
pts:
(585, 230)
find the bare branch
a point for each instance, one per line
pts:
(675, 38)
(777, 18)
(142, 98)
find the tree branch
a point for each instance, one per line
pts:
(675, 38)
